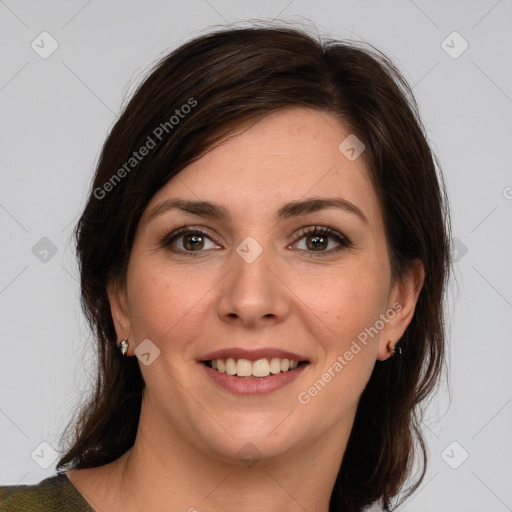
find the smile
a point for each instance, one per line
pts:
(259, 368)
(258, 371)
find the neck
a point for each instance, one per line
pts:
(163, 472)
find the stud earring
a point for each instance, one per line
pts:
(123, 347)
(392, 350)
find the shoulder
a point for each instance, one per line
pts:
(54, 494)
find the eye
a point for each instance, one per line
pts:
(322, 240)
(189, 240)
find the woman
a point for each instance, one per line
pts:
(263, 258)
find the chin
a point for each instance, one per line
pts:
(250, 439)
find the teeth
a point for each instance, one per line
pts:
(230, 366)
(259, 368)
(275, 365)
(244, 368)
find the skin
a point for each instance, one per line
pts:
(186, 453)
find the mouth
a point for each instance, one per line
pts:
(254, 369)
(253, 372)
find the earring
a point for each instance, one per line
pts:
(392, 350)
(123, 347)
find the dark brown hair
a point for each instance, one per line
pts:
(220, 80)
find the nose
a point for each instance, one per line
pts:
(253, 293)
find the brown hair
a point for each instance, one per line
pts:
(225, 78)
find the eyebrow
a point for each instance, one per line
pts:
(291, 209)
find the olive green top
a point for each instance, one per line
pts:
(54, 494)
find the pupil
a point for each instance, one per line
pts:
(193, 242)
(317, 242)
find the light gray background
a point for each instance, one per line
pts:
(56, 112)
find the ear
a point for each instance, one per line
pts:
(118, 308)
(402, 300)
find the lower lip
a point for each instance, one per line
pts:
(255, 386)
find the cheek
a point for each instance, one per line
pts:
(344, 315)
(343, 303)
(163, 302)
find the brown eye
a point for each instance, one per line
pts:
(321, 240)
(193, 242)
(316, 242)
(189, 241)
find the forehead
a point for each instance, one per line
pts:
(291, 154)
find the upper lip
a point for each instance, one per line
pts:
(252, 355)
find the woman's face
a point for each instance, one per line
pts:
(264, 270)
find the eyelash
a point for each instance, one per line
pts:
(344, 242)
